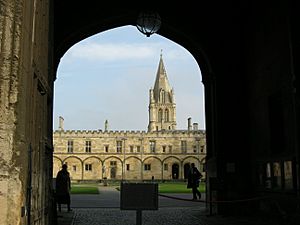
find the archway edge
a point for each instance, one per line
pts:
(169, 31)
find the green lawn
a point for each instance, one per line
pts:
(84, 189)
(167, 187)
(177, 188)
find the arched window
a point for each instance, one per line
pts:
(167, 115)
(160, 115)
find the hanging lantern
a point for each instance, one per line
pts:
(148, 22)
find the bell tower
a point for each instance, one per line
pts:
(162, 107)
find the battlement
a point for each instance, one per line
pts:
(127, 133)
(97, 132)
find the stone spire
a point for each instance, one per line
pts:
(161, 82)
(162, 107)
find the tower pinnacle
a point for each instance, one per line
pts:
(162, 107)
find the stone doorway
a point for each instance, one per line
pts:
(186, 168)
(175, 171)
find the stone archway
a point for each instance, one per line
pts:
(175, 171)
(186, 169)
(33, 45)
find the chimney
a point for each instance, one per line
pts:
(61, 123)
(195, 126)
(106, 126)
(189, 124)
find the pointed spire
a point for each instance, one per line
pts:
(161, 82)
(162, 106)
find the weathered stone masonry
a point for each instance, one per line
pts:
(167, 160)
(25, 88)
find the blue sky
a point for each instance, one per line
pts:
(108, 77)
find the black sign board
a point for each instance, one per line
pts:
(139, 196)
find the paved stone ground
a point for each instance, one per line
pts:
(125, 217)
(104, 209)
(163, 216)
(65, 218)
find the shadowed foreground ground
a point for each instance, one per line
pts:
(104, 209)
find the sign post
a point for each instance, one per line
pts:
(138, 217)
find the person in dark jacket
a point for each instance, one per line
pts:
(194, 177)
(63, 187)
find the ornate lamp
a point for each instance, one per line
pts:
(148, 22)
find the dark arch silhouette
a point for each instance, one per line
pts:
(218, 57)
(71, 29)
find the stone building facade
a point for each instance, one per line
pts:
(161, 153)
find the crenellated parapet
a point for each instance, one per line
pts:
(111, 132)
(127, 133)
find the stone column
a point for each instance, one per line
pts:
(12, 160)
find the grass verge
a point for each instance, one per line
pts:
(177, 188)
(84, 189)
(167, 187)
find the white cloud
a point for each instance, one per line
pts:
(111, 52)
(93, 51)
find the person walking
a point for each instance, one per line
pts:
(194, 177)
(63, 187)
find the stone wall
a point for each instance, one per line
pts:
(129, 163)
(25, 140)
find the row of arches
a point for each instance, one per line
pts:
(130, 168)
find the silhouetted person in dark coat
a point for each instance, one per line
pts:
(63, 187)
(194, 177)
